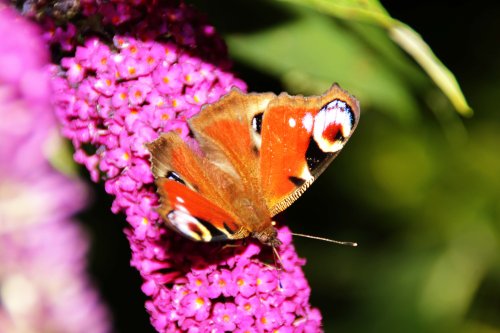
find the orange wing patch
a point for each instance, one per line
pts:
(225, 134)
(194, 216)
(300, 137)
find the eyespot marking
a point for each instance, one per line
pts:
(315, 155)
(256, 150)
(257, 122)
(175, 177)
(188, 225)
(296, 181)
(333, 125)
(228, 229)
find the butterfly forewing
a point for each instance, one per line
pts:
(225, 134)
(300, 137)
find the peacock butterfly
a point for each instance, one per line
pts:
(255, 155)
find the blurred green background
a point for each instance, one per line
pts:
(418, 185)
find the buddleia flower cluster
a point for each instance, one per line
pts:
(146, 68)
(44, 286)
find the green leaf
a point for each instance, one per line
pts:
(310, 50)
(373, 12)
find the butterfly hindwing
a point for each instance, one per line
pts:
(190, 201)
(194, 216)
(300, 137)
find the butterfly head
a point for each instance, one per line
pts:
(268, 236)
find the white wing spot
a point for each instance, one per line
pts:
(307, 122)
(292, 122)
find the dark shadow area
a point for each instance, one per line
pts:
(109, 264)
(244, 16)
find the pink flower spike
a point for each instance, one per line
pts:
(126, 95)
(44, 283)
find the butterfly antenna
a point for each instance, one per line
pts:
(353, 244)
(277, 259)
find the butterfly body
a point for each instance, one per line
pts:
(253, 155)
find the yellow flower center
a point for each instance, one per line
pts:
(199, 302)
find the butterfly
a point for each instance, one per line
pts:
(254, 154)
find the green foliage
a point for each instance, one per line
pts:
(417, 186)
(373, 12)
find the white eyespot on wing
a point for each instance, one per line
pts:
(333, 125)
(188, 225)
(256, 130)
(292, 122)
(307, 122)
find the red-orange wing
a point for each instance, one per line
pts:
(225, 132)
(300, 137)
(190, 200)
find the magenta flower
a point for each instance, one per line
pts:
(163, 63)
(43, 281)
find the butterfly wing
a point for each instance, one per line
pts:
(257, 154)
(190, 202)
(228, 132)
(225, 133)
(300, 137)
